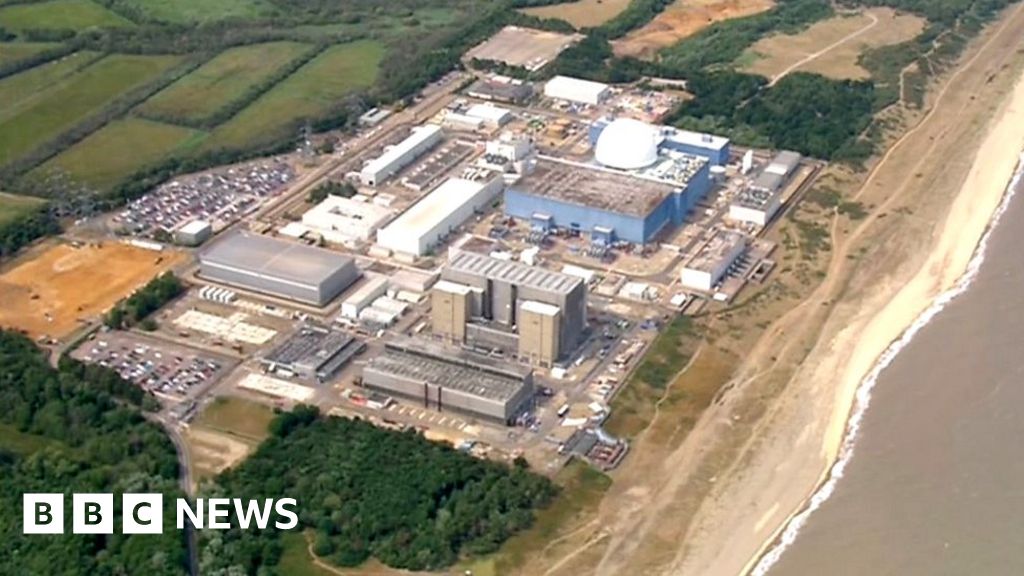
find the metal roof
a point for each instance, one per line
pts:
(513, 272)
(272, 257)
(459, 370)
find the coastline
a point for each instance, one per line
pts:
(947, 272)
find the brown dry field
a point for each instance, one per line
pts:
(873, 28)
(70, 283)
(212, 452)
(581, 14)
(682, 19)
(693, 500)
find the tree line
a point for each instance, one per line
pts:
(79, 428)
(22, 229)
(370, 492)
(136, 308)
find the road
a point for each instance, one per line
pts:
(825, 50)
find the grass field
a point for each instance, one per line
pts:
(682, 19)
(12, 52)
(222, 80)
(295, 559)
(59, 15)
(237, 416)
(872, 28)
(207, 10)
(22, 90)
(65, 105)
(315, 87)
(119, 149)
(11, 205)
(44, 290)
(581, 14)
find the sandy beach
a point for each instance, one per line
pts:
(800, 439)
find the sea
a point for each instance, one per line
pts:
(930, 480)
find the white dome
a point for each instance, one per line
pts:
(628, 144)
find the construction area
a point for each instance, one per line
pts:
(529, 49)
(44, 290)
(683, 19)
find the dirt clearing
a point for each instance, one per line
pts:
(52, 287)
(682, 19)
(213, 452)
(582, 14)
(831, 47)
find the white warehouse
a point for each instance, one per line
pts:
(425, 223)
(422, 139)
(707, 268)
(345, 220)
(370, 290)
(576, 90)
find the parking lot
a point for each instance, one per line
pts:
(220, 197)
(170, 371)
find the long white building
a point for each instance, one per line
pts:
(422, 139)
(424, 224)
(576, 90)
(344, 220)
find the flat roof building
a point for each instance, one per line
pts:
(755, 205)
(711, 263)
(576, 90)
(633, 206)
(314, 353)
(447, 379)
(501, 89)
(278, 268)
(491, 116)
(715, 149)
(422, 139)
(193, 233)
(419, 229)
(784, 163)
(364, 295)
(536, 314)
(345, 220)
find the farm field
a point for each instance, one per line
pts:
(221, 81)
(22, 90)
(683, 19)
(183, 11)
(59, 15)
(12, 205)
(119, 149)
(13, 52)
(43, 293)
(581, 14)
(315, 87)
(68, 104)
(837, 58)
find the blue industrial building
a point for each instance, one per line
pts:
(608, 205)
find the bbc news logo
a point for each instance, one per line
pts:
(144, 513)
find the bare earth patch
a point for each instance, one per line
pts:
(831, 47)
(213, 452)
(582, 14)
(53, 287)
(682, 19)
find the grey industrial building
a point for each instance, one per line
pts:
(278, 268)
(451, 380)
(313, 353)
(535, 314)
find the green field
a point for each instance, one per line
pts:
(106, 157)
(12, 52)
(67, 104)
(204, 11)
(59, 15)
(22, 90)
(10, 206)
(312, 89)
(222, 80)
(237, 416)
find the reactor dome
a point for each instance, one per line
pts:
(628, 144)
